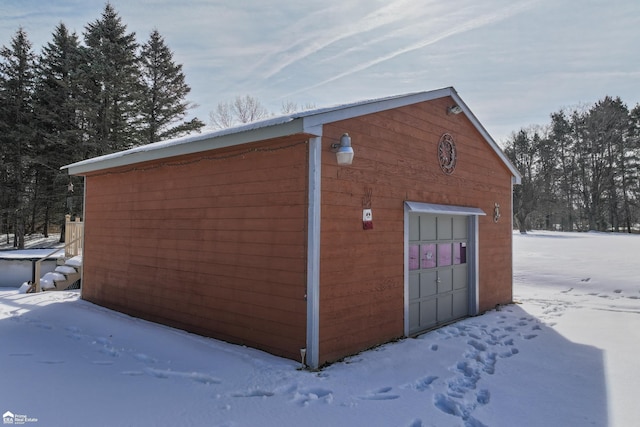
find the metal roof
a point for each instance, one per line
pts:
(306, 122)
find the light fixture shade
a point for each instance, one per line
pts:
(344, 151)
(344, 156)
(454, 109)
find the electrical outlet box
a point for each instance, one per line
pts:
(367, 219)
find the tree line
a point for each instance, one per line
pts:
(580, 171)
(73, 101)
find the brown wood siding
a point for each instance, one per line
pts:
(362, 271)
(213, 243)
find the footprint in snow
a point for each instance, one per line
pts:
(43, 325)
(144, 358)
(193, 376)
(509, 353)
(202, 378)
(103, 362)
(483, 397)
(253, 393)
(110, 351)
(132, 373)
(477, 345)
(421, 384)
(51, 362)
(450, 406)
(380, 394)
(305, 397)
(74, 333)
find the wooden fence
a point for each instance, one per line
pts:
(73, 237)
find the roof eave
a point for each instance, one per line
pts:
(140, 154)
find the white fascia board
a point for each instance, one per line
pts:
(517, 179)
(188, 145)
(374, 106)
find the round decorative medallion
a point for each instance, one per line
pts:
(447, 154)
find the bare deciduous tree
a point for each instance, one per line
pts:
(247, 109)
(243, 109)
(290, 107)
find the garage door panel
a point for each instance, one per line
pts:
(460, 304)
(445, 283)
(445, 308)
(428, 284)
(460, 227)
(428, 227)
(414, 228)
(414, 316)
(414, 286)
(428, 313)
(445, 231)
(460, 277)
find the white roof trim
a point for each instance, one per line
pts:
(442, 209)
(190, 144)
(306, 122)
(517, 179)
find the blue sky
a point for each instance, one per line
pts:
(513, 61)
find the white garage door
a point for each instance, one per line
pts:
(438, 270)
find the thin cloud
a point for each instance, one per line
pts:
(471, 24)
(314, 41)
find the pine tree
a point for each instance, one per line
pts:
(17, 64)
(163, 104)
(111, 82)
(60, 122)
(564, 143)
(632, 184)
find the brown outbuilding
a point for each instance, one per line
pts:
(332, 230)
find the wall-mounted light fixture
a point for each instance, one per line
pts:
(454, 109)
(343, 150)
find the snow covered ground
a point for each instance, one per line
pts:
(565, 355)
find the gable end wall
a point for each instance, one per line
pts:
(362, 271)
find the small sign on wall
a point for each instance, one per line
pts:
(367, 219)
